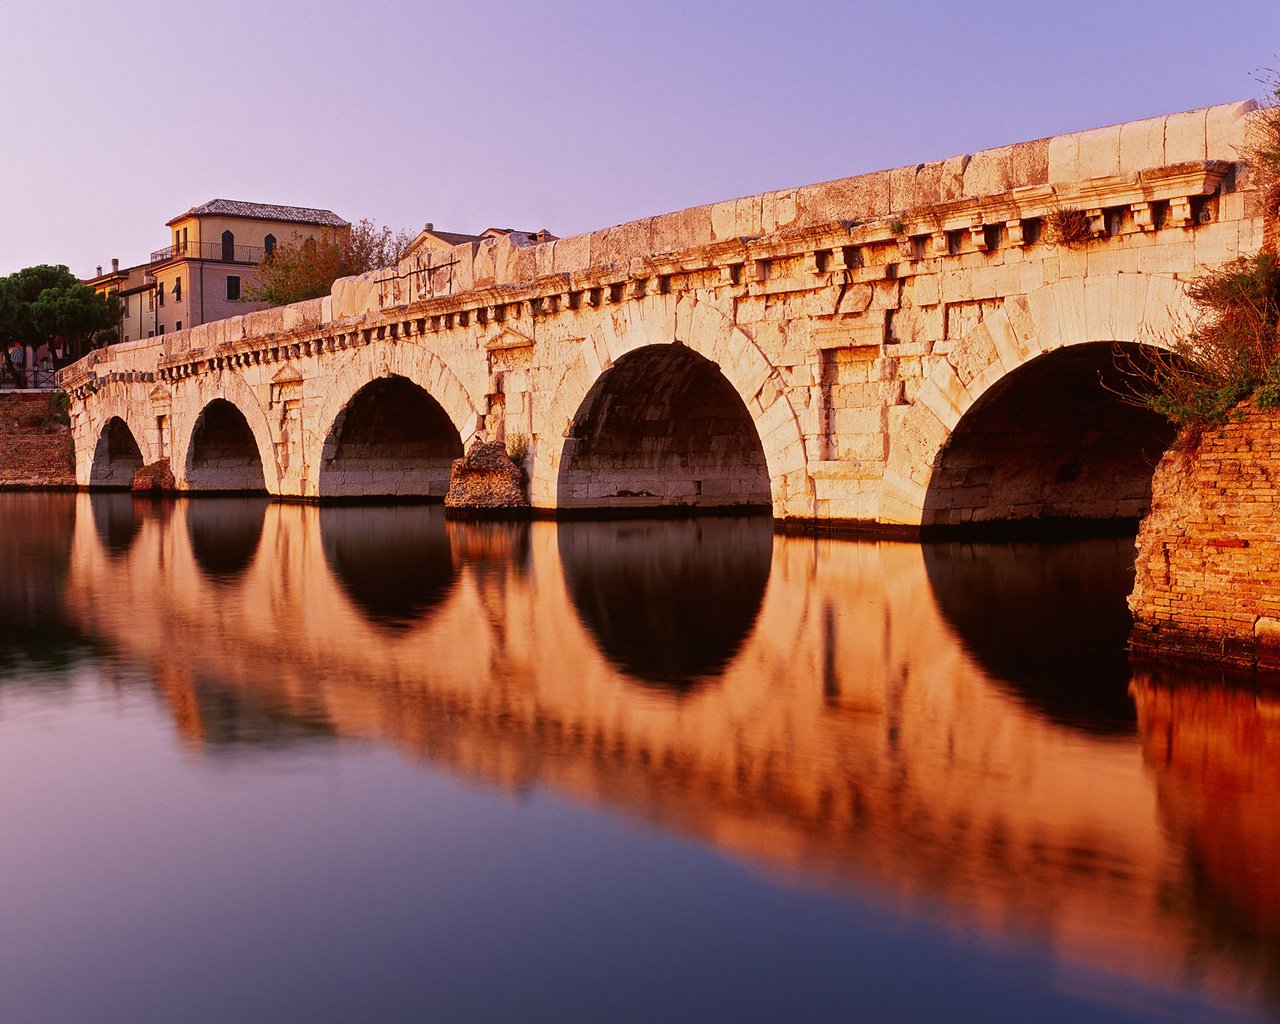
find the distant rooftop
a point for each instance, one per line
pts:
(264, 211)
(431, 238)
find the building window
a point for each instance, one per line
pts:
(162, 328)
(269, 244)
(160, 291)
(178, 326)
(177, 289)
(233, 287)
(228, 247)
(151, 299)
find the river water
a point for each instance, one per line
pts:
(280, 763)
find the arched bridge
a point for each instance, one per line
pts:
(921, 346)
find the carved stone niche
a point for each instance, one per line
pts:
(285, 385)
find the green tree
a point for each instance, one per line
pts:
(305, 268)
(41, 303)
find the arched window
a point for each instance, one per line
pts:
(269, 244)
(228, 247)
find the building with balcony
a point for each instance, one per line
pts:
(202, 275)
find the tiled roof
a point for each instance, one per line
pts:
(264, 211)
(454, 237)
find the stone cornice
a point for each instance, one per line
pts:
(857, 249)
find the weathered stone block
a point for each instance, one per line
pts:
(860, 198)
(1098, 152)
(1184, 137)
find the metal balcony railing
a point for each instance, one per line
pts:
(209, 251)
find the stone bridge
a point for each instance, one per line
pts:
(915, 347)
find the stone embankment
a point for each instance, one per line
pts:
(1208, 570)
(35, 449)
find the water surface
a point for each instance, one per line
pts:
(268, 763)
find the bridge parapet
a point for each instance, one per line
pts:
(857, 320)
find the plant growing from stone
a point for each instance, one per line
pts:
(518, 449)
(1068, 226)
(1229, 350)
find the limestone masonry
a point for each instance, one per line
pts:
(920, 346)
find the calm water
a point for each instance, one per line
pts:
(266, 763)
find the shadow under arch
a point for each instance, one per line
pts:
(223, 454)
(391, 440)
(225, 531)
(116, 456)
(663, 427)
(393, 561)
(1047, 621)
(669, 601)
(1053, 443)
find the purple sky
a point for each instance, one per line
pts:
(565, 115)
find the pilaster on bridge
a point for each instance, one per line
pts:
(914, 347)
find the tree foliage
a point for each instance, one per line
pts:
(43, 303)
(305, 268)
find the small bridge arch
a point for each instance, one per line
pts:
(117, 455)
(223, 453)
(370, 384)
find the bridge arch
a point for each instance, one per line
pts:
(447, 401)
(1021, 420)
(666, 358)
(117, 455)
(391, 439)
(223, 453)
(254, 452)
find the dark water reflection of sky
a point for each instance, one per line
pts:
(266, 763)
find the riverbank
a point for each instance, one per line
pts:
(36, 450)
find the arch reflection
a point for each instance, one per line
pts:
(225, 533)
(117, 519)
(393, 561)
(670, 602)
(1049, 621)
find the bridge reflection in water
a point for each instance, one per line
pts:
(923, 725)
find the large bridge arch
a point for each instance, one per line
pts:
(1032, 364)
(708, 336)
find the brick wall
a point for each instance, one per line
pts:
(34, 451)
(1208, 570)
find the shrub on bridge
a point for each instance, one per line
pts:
(1229, 350)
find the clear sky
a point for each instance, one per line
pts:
(115, 117)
